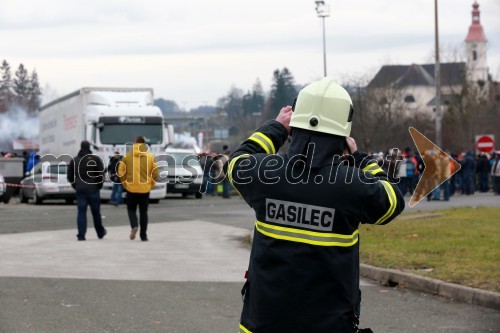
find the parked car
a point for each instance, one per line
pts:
(183, 172)
(47, 180)
(3, 187)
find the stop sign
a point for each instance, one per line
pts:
(485, 143)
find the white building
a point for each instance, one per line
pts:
(413, 87)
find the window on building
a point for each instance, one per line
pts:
(409, 99)
(474, 55)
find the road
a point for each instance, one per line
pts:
(187, 278)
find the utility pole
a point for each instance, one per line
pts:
(437, 74)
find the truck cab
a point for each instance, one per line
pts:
(110, 119)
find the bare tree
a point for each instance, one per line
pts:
(382, 117)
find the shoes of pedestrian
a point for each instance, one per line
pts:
(133, 233)
(144, 239)
(80, 238)
(103, 234)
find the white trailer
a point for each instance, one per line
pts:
(110, 119)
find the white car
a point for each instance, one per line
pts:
(3, 188)
(47, 180)
(181, 170)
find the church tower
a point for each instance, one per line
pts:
(475, 45)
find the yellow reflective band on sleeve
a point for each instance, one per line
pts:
(308, 237)
(230, 167)
(269, 142)
(373, 168)
(243, 329)
(392, 200)
(264, 142)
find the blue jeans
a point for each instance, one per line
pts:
(207, 186)
(483, 182)
(496, 184)
(84, 198)
(226, 187)
(467, 183)
(116, 193)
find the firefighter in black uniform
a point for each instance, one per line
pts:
(303, 275)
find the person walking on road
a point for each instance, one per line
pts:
(495, 173)
(226, 187)
(303, 274)
(117, 190)
(138, 172)
(86, 175)
(468, 171)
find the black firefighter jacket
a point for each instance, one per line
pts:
(303, 275)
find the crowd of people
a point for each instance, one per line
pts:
(30, 158)
(477, 173)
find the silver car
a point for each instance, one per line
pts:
(47, 180)
(3, 188)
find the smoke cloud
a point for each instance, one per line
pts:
(16, 123)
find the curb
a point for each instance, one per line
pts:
(411, 281)
(453, 291)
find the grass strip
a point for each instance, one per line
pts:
(457, 245)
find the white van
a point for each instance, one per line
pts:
(181, 169)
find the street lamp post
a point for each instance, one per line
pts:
(323, 11)
(437, 74)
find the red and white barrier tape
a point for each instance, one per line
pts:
(18, 185)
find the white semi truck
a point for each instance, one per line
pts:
(110, 119)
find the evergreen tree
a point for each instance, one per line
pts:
(167, 106)
(21, 85)
(283, 91)
(5, 87)
(34, 93)
(258, 98)
(253, 102)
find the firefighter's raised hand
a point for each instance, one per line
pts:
(284, 117)
(351, 144)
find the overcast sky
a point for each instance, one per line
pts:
(192, 52)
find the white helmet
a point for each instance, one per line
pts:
(323, 106)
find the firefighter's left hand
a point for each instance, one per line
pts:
(284, 117)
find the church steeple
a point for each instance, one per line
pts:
(476, 33)
(477, 68)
